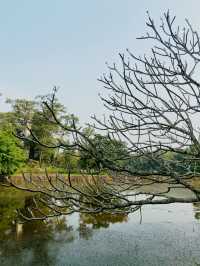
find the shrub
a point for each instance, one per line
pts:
(11, 155)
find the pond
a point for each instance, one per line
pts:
(162, 235)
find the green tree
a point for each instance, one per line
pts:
(11, 155)
(46, 130)
(30, 119)
(67, 160)
(106, 151)
(6, 121)
(21, 115)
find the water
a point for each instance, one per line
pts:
(163, 235)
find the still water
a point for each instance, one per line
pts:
(166, 235)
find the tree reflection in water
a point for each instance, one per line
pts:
(89, 222)
(196, 210)
(56, 229)
(30, 241)
(102, 219)
(45, 242)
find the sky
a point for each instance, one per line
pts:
(67, 43)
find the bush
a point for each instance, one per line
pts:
(11, 155)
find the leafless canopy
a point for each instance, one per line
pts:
(154, 104)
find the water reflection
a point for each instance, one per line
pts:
(32, 239)
(196, 210)
(55, 228)
(73, 239)
(59, 229)
(102, 220)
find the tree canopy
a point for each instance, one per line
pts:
(31, 117)
(11, 155)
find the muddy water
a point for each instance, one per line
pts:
(163, 235)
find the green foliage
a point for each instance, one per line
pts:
(143, 164)
(157, 163)
(112, 152)
(67, 161)
(36, 116)
(11, 155)
(6, 121)
(21, 115)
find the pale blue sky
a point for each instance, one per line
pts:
(66, 43)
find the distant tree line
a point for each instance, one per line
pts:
(30, 119)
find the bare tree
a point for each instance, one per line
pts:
(154, 104)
